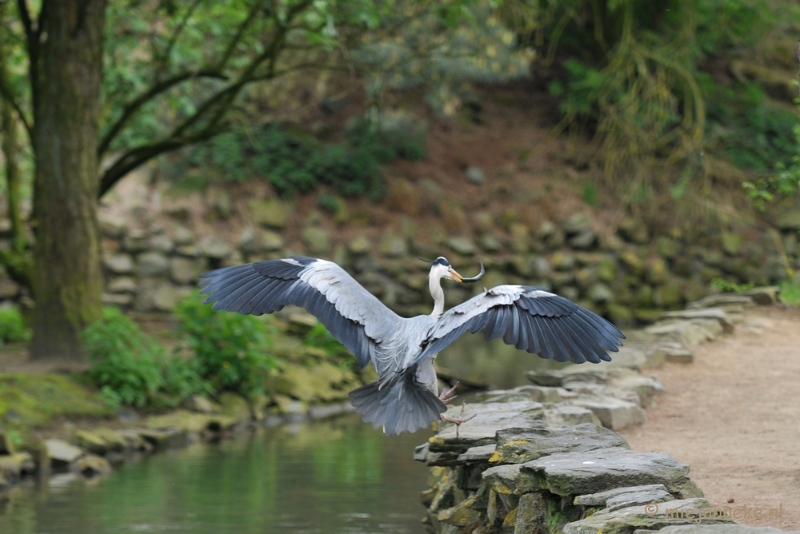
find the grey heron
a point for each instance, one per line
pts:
(402, 350)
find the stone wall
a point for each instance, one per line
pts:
(624, 274)
(151, 258)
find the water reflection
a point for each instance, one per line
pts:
(337, 476)
(493, 363)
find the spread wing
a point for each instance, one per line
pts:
(351, 313)
(531, 319)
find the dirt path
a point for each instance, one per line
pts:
(734, 416)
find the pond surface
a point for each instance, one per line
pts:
(336, 476)
(326, 477)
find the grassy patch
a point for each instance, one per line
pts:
(33, 400)
(790, 293)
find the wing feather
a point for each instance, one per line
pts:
(353, 315)
(531, 319)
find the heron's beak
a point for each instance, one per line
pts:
(458, 278)
(454, 275)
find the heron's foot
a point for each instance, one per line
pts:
(460, 419)
(450, 394)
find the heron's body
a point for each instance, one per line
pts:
(402, 350)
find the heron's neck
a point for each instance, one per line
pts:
(435, 286)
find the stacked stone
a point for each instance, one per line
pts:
(546, 458)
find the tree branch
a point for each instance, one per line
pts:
(164, 58)
(139, 155)
(5, 92)
(221, 100)
(251, 16)
(151, 93)
(25, 15)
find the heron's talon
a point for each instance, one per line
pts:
(460, 419)
(449, 395)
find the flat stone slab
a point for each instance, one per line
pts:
(723, 300)
(717, 314)
(599, 499)
(721, 529)
(520, 445)
(626, 497)
(62, 453)
(481, 430)
(653, 516)
(581, 473)
(613, 413)
(689, 333)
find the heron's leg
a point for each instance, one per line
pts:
(450, 394)
(460, 419)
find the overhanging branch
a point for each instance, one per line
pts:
(151, 93)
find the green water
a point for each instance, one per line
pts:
(337, 476)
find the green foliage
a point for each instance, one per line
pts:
(755, 133)
(295, 162)
(230, 349)
(126, 363)
(632, 74)
(443, 49)
(787, 180)
(132, 369)
(726, 286)
(12, 326)
(789, 293)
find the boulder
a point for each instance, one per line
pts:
(164, 438)
(634, 495)
(233, 405)
(581, 473)
(6, 445)
(613, 413)
(161, 243)
(481, 430)
(520, 445)
(92, 465)
(61, 453)
(121, 284)
(688, 334)
(215, 247)
(272, 213)
(152, 264)
(317, 239)
(723, 300)
(475, 175)
(359, 245)
(462, 245)
(716, 314)
(13, 466)
(184, 270)
(392, 246)
(118, 263)
(650, 517)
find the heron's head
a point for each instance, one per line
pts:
(441, 268)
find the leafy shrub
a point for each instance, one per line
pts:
(229, 349)
(295, 162)
(12, 326)
(132, 369)
(789, 293)
(126, 363)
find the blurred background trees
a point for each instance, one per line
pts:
(683, 102)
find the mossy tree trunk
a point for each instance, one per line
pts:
(66, 52)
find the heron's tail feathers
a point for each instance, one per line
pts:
(398, 405)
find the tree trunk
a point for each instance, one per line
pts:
(66, 96)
